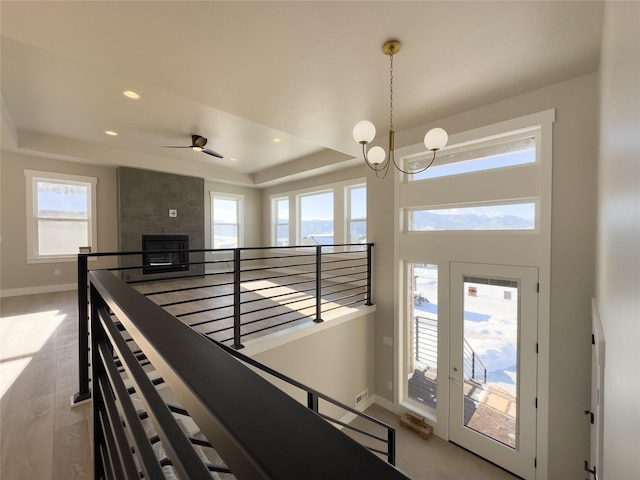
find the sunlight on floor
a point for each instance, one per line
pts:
(304, 303)
(22, 336)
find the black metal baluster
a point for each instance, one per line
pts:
(369, 247)
(318, 318)
(391, 446)
(473, 365)
(84, 390)
(312, 401)
(237, 339)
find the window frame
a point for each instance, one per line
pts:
(275, 219)
(348, 210)
(407, 211)
(339, 207)
(32, 178)
(474, 143)
(299, 197)
(239, 199)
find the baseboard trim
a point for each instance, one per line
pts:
(383, 402)
(16, 292)
(350, 417)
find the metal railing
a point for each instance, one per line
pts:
(425, 350)
(250, 428)
(473, 366)
(236, 294)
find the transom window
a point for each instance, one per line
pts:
(504, 216)
(511, 150)
(62, 216)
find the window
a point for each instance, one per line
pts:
(324, 215)
(281, 216)
(62, 216)
(357, 214)
(316, 219)
(510, 150)
(422, 333)
(226, 211)
(506, 216)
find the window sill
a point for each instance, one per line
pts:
(59, 259)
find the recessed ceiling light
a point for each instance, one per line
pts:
(111, 133)
(131, 94)
(277, 140)
(233, 159)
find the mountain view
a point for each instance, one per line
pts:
(423, 220)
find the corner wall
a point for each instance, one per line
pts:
(618, 279)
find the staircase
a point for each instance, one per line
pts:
(169, 402)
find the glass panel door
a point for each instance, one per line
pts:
(490, 357)
(493, 363)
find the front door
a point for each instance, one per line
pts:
(493, 364)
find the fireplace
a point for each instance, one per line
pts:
(165, 253)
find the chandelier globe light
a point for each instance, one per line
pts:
(364, 132)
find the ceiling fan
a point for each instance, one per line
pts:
(197, 144)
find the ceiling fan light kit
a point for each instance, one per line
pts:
(364, 132)
(197, 145)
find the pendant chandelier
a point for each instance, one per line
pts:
(365, 131)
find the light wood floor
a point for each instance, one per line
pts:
(42, 437)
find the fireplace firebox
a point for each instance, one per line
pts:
(165, 253)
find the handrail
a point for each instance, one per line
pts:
(228, 313)
(471, 359)
(314, 395)
(252, 424)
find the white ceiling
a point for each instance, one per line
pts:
(241, 73)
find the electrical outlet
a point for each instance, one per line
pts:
(56, 272)
(173, 213)
(390, 385)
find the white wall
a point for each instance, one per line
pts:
(618, 266)
(18, 277)
(572, 259)
(337, 360)
(251, 209)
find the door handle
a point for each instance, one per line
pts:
(453, 379)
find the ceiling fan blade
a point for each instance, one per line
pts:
(212, 153)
